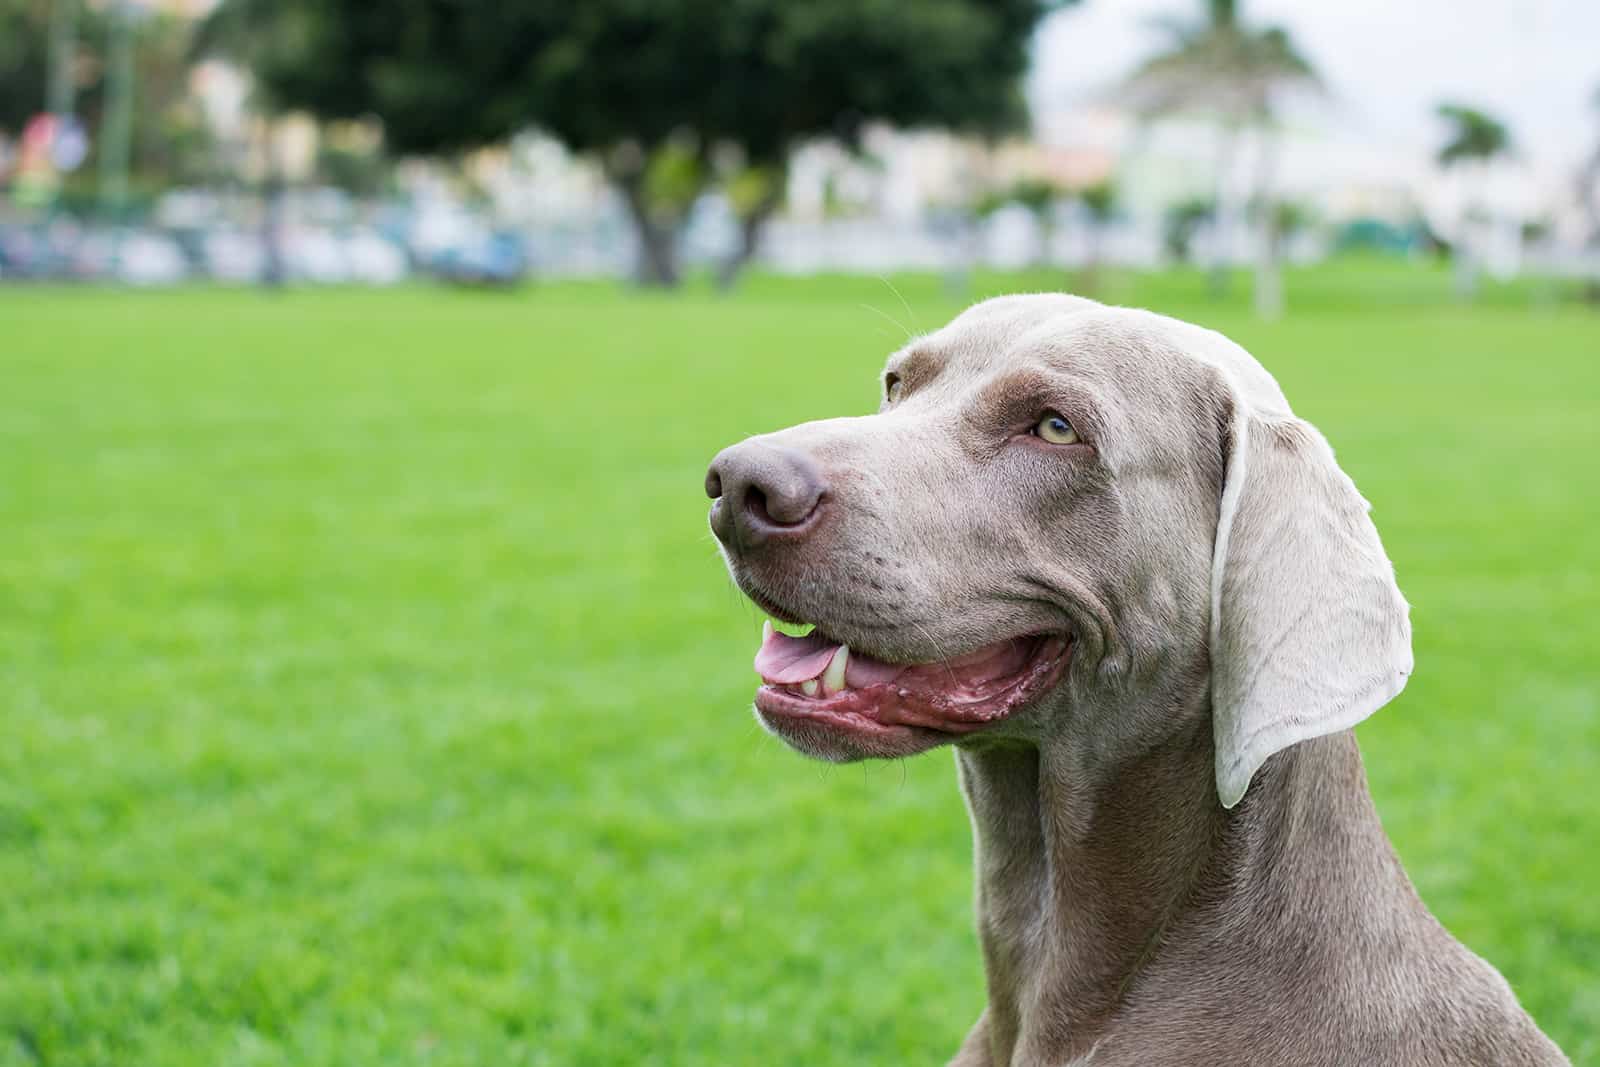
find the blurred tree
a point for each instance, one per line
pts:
(627, 81)
(24, 61)
(754, 193)
(1038, 197)
(350, 157)
(1473, 139)
(170, 142)
(1099, 200)
(1474, 135)
(1219, 69)
(1536, 231)
(1279, 221)
(1181, 222)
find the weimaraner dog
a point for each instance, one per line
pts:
(1094, 549)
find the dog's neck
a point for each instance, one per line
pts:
(1089, 877)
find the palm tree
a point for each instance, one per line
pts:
(1474, 135)
(1222, 70)
(1475, 138)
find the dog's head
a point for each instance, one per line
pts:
(1061, 515)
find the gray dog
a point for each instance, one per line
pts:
(1094, 549)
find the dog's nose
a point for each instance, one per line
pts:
(762, 491)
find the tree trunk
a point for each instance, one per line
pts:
(1269, 276)
(1045, 242)
(958, 273)
(751, 227)
(1466, 271)
(1465, 259)
(1089, 276)
(1217, 277)
(1269, 246)
(656, 265)
(274, 268)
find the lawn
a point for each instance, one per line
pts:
(373, 693)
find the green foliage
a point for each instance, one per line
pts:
(1099, 199)
(170, 140)
(631, 82)
(1181, 222)
(1036, 195)
(356, 165)
(1474, 135)
(674, 175)
(753, 189)
(24, 61)
(1284, 217)
(373, 693)
(448, 74)
(986, 204)
(1219, 67)
(1537, 230)
(1039, 196)
(1232, 74)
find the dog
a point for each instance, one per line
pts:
(1093, 549)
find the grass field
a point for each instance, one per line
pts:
(373, 693)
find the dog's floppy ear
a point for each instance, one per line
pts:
(1309, 633)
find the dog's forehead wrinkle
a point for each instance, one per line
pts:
(980, 337)
(1146, 385)
(1095, 339)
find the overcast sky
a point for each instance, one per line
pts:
(1533, 63)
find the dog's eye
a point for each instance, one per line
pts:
(1056, 430)
(891, 387)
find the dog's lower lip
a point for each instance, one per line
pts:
(894, 708)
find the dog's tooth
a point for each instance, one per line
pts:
(809, 687)
(833, 677)
(766, 630)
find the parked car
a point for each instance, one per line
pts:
(496, 259)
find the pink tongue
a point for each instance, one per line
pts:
(785, 660)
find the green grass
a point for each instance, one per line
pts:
(373, 693)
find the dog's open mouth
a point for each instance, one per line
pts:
(822, 681)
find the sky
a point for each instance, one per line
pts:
(1535, 64)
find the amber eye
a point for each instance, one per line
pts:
(891, 387)
(1055, 429)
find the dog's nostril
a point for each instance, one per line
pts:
(755, 502)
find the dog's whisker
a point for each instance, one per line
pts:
(943, 658)
(892, 320)
(884, 278)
